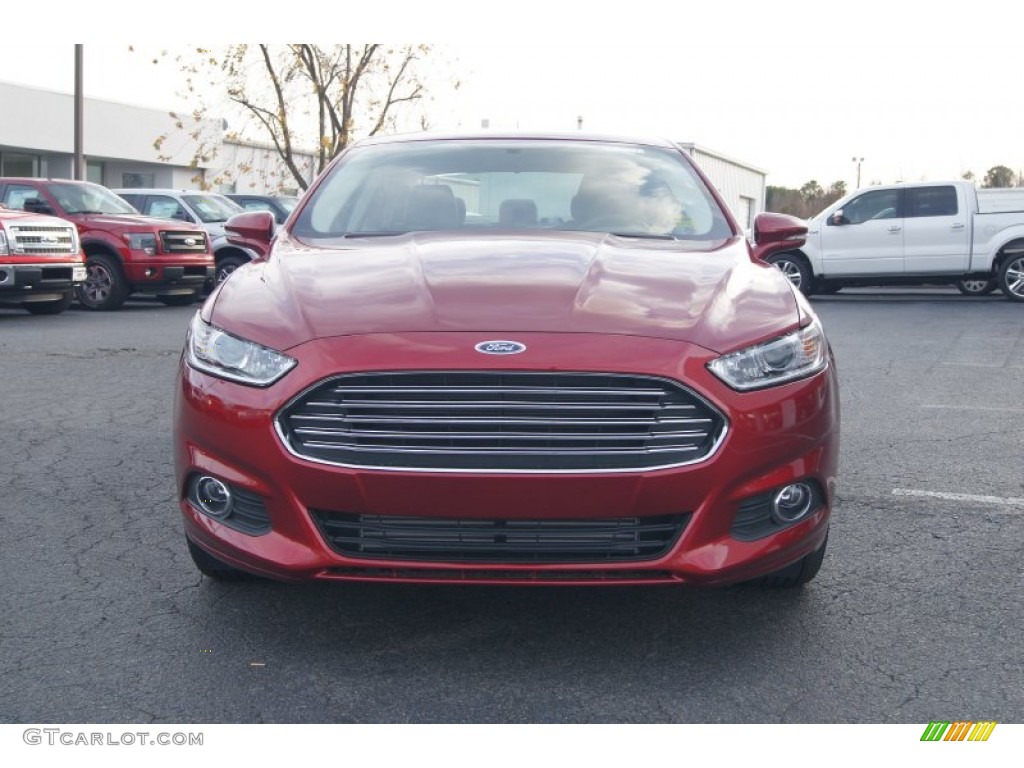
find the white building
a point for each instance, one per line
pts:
(130, 146)
(741, 184)
(124, 146)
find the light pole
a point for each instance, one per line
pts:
(858, 161)
(78, 169)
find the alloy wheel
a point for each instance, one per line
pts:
(99, 284)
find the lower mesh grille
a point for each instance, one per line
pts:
(435, 540)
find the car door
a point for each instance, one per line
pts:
(935, 232)
(865, 236)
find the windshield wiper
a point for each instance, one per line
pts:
(87, 212)
(643, 235)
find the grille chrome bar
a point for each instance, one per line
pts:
(486, 421)
(43, 240)
(183, 241)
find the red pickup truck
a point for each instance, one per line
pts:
(40, 262)
(125, 252)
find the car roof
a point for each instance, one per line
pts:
(163, 191)
(261, 195)
(37, 179)
(517, 136)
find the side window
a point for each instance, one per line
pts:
(133, 200)
(17, 194)
(256, 205)
(881, 204)
(932, 201)
(163, 207)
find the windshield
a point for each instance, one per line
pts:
(83, 197)
(210, 208)
(288, 203)
(481, 186)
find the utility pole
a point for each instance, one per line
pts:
(79, 169)
(858, 161)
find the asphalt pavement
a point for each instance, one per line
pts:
(916, 615)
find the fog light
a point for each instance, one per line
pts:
(150, 272)
(212, 496)
(792, 502)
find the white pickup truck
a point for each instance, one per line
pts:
(914, 233)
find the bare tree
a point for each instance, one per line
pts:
(804, 202)
(305, 99)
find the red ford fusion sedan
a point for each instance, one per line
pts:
(509, 359)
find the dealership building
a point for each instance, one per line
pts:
(131, 146)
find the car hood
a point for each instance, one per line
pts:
(566, 282)
(120, 221)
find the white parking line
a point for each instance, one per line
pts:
(1016, 504)
(976, 365)
(959, 407)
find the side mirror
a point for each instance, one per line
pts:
(252, 229)
(774, 232)
(837, 219)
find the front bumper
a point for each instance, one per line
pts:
(155, 276)
(31, 280)
(775, 437)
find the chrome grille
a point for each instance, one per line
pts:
(437, 540)
(43, 239)
(501, 421)
(183, 242)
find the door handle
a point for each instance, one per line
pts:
(895, 229)
(959, 225)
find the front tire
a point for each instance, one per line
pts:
(210, 566)
(1011, 277)
(227, 265)
(50, 307)
(105, 287)
(980, 287)
(797, 574)
(796, 270)
(179, 299)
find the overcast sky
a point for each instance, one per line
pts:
(797, 88)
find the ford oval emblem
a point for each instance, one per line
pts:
(190, 241)
(500, 347)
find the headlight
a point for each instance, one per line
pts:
(3, 243)
(142, 241)
(794, 356)
(217, 352)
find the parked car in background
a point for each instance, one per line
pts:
(41, 261)
(207, 209)
(914, 233)
(125, 252)
(279, 205)
(516, 360)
